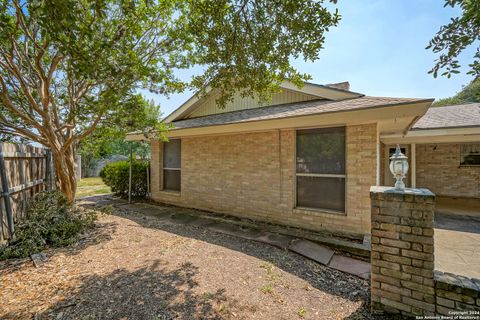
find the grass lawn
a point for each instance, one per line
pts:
(91, 186)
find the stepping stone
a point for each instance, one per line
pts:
(38, 259)
(182, 218)
(157, 213)
(234, 230)
(276, 240)
(349, 265)
(202, 222)
(312, 251)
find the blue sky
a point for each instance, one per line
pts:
(379, 47)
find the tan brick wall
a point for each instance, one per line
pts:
(361, 172)
(438, 169)
(253, 175)
(402, 251)
(403, 279)
(454, 293)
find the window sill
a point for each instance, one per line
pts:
(171, 192)
(469, 166)
(316, 211)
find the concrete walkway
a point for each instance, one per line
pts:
(314, 251)
(457, 244)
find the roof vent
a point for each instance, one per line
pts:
(341, 85)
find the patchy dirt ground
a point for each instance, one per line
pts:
(136, 267)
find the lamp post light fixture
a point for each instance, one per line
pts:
(399, 168)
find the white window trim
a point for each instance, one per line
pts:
(298, 208)
(321, 175)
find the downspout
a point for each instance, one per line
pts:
(280, 166)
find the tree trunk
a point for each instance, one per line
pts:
(64, 163)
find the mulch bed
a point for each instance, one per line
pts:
(137, 267)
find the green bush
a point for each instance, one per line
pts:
(115, 175)
(51, 221)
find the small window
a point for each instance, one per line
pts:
(470, 155)
(321, 168)
(171, 165)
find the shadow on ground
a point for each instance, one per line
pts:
(147, 293)
(454, 222)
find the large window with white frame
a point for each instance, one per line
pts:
(172, 165)
(320, 168)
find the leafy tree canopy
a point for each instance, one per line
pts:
(69, 66)
(453, 38)
(109, 137)
(469, 94)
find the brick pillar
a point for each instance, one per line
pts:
(402, 251)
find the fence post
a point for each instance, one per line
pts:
(48, 173)
(6, 192)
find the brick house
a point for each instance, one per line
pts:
(444, 149)
(307, 160)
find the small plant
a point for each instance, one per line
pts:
(267, 266)
(301, 312)
(108, 209)
(116, 175)
(51, 221)
(207, 296)
(224, 308)
(268, 288)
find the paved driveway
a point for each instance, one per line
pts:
(457, 244)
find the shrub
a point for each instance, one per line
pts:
(115, 175)
(51, 221)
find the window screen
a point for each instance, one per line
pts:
(321, 168)
(321, 192)
(171, 165)
(470, 155)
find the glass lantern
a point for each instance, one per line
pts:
(399, 168)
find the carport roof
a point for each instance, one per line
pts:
(457, 116)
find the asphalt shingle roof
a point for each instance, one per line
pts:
(292, 110)
(465, 115)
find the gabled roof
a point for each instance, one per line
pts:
(293, 110)
(456, 116)
(329, 92)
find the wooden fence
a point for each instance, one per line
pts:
(24, 171)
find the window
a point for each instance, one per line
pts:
(321, 168)
(470, 155)
(171, 164)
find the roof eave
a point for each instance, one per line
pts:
(436, 135)
(348, 117)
